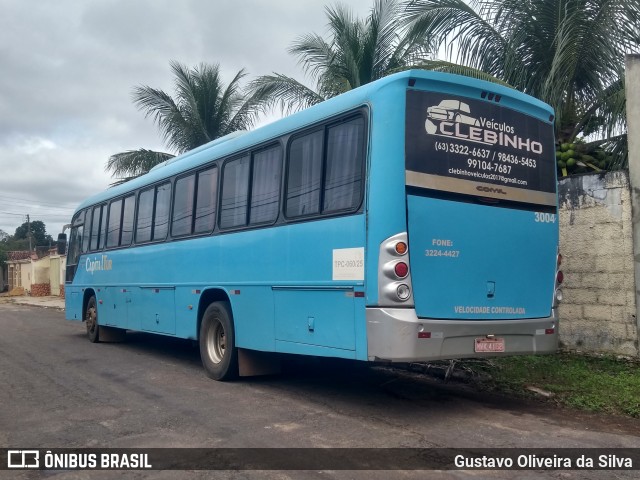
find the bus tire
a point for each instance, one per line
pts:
(217, 342)
(91, 320)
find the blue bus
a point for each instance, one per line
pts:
(411, 219)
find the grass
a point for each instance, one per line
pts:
(595, 383)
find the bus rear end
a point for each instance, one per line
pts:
(476, 273)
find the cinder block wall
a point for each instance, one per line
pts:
(598, 313)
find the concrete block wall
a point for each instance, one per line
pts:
(598, 313)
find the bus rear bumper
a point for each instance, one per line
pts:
(398, 335)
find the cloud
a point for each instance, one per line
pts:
(68, 68)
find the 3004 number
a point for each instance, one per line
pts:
(545, 217)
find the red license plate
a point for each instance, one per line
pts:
(489, 345)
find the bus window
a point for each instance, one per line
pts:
(103, 227)
(127, 220)
(145, 215)
(161, 214)
(343, 182)
(95, 228)
(304, 175)
(206, 200)
(235, 188)
(75, 242)
(265, 185)
(113, 231)
(182, 220)
(87, 232)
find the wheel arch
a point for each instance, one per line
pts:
(207, 298)
(88, 293)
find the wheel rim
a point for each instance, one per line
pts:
(92, 317)
(216, 342)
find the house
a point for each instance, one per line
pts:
(18, 266)
(30, 275)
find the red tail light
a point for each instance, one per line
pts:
(401, 269)
(560, 277)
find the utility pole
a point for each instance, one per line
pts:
(29, 232)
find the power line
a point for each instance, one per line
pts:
(36, 202)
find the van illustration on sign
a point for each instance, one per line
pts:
(452, 110)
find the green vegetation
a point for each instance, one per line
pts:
(569, 53)
(596, 383)
(20, 239)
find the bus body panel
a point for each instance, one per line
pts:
(471, 261)
(262, 272)
(386, 203)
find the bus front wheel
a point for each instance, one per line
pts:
(91, 320)
(217, 342)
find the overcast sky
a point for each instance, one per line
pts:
(67, 68)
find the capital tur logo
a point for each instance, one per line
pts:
(449, 111)
(23, 459)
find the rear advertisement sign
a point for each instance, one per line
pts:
(478, 147)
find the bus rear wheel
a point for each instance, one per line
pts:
(217, 342)
(91, 320)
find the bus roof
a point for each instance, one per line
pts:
(237, 142)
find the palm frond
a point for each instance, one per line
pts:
(286, 92)
(133, 163)
(458, 26)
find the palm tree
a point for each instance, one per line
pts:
(204, 109)
(357, 52)
(569, 53)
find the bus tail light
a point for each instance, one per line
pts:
(401, 248)
(403, 291)
(557, 293)
(394, 277)
(559, 296)
(401, 269)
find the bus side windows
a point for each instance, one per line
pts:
(120, 229)
(154, 205)
(304, 175)
(194, 209)
(343, 178)
(309, 192)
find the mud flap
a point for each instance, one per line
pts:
(253, 363)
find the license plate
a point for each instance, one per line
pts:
(489, 345)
